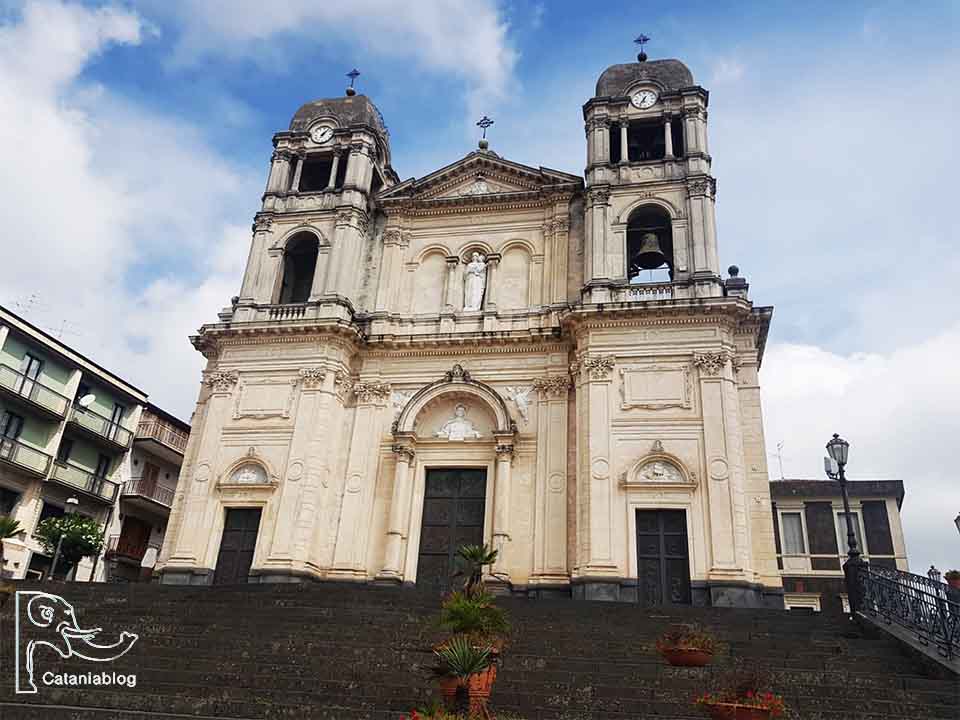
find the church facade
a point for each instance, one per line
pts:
(548, 363)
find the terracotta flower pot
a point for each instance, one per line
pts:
(954, 583)
(448, 690)
(733, 711)
(479, 686)
(687, 657)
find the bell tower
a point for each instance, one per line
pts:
(317, 218)
(650, 224)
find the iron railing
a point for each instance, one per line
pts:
(149, 489)
(33, 390)
(24, 456)
(118, 545)
(163, 433)
(101, 425)
(77, 477)
(919, 604)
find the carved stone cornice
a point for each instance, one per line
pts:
(312, 377)
(711, 363)
(222, 381)
(552, 385)
(367, 392)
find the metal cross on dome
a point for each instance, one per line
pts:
(484, 123)
(641, 40)
(353, 75)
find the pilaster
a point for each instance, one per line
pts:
(550, 523)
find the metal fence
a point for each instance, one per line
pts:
(920, 604)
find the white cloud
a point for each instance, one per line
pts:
(727, 70)
(463, 38)
(104, 200)
(898, 410)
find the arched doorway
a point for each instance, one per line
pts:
(454, 444)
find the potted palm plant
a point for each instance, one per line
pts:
(687, 646)
(953, 578)
(466, 674)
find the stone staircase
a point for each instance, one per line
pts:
(325, 652)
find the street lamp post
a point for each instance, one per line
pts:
(956, 521)
(72, 504)
(839, 450)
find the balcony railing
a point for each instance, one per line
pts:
(149, 489)
(120, 546)
(88, 482)
(163, 433)
(33, 390)
(644, 292)
(287, 312)
(101, 425)
(24, 456)
(925, 607)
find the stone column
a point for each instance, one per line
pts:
(702, 225)
(249, 290)
(193, 540)
(331, 183)
(490, 291)
(295, 185)
(598, 222)
(550, 541)
(690, 136)
(337, 267)
(279, 171)
(668, 137)
(624, 152)
(723, 542)
(392, 240)
(450, 284)
(357, 499)
(396, 526)
(501, 507)
(597, 488)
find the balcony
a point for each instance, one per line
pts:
(101, 428)
(148, 490)
(162, 439)
(33, 393)
(79, 479)
(24, 457)
(122, 548)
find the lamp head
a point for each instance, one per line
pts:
(72, 501)
(838, 448)
(87, 400)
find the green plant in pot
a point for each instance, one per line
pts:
(81, 537)
(743, 695)
(474, 558)
(953, 578)
(687, 646)
(466, 673)
(477, 618)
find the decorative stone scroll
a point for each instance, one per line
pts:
(598, 367)
(366, 392)
(554, 385)
(312, 377)
(711, 363)
(222, 380)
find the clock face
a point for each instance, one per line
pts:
(321, 133)
(644, 99)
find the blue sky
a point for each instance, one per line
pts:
(138, 136)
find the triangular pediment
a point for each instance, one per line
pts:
(481, 174)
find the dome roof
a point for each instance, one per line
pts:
(348, 110)
(671, 74)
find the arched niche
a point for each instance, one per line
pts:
(457, 387)
(513, 277)
(298, 267)
(429, 282)
(649, 227)
(658, 469)
(250, 470)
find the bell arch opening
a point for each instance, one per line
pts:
(649, 245)
(299, 266)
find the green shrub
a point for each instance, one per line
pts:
(81, 537)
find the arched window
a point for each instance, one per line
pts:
(649, 245)
(299, 263)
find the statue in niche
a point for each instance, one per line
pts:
(475, 282)
(458, 427)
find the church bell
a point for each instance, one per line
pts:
(649, 256)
